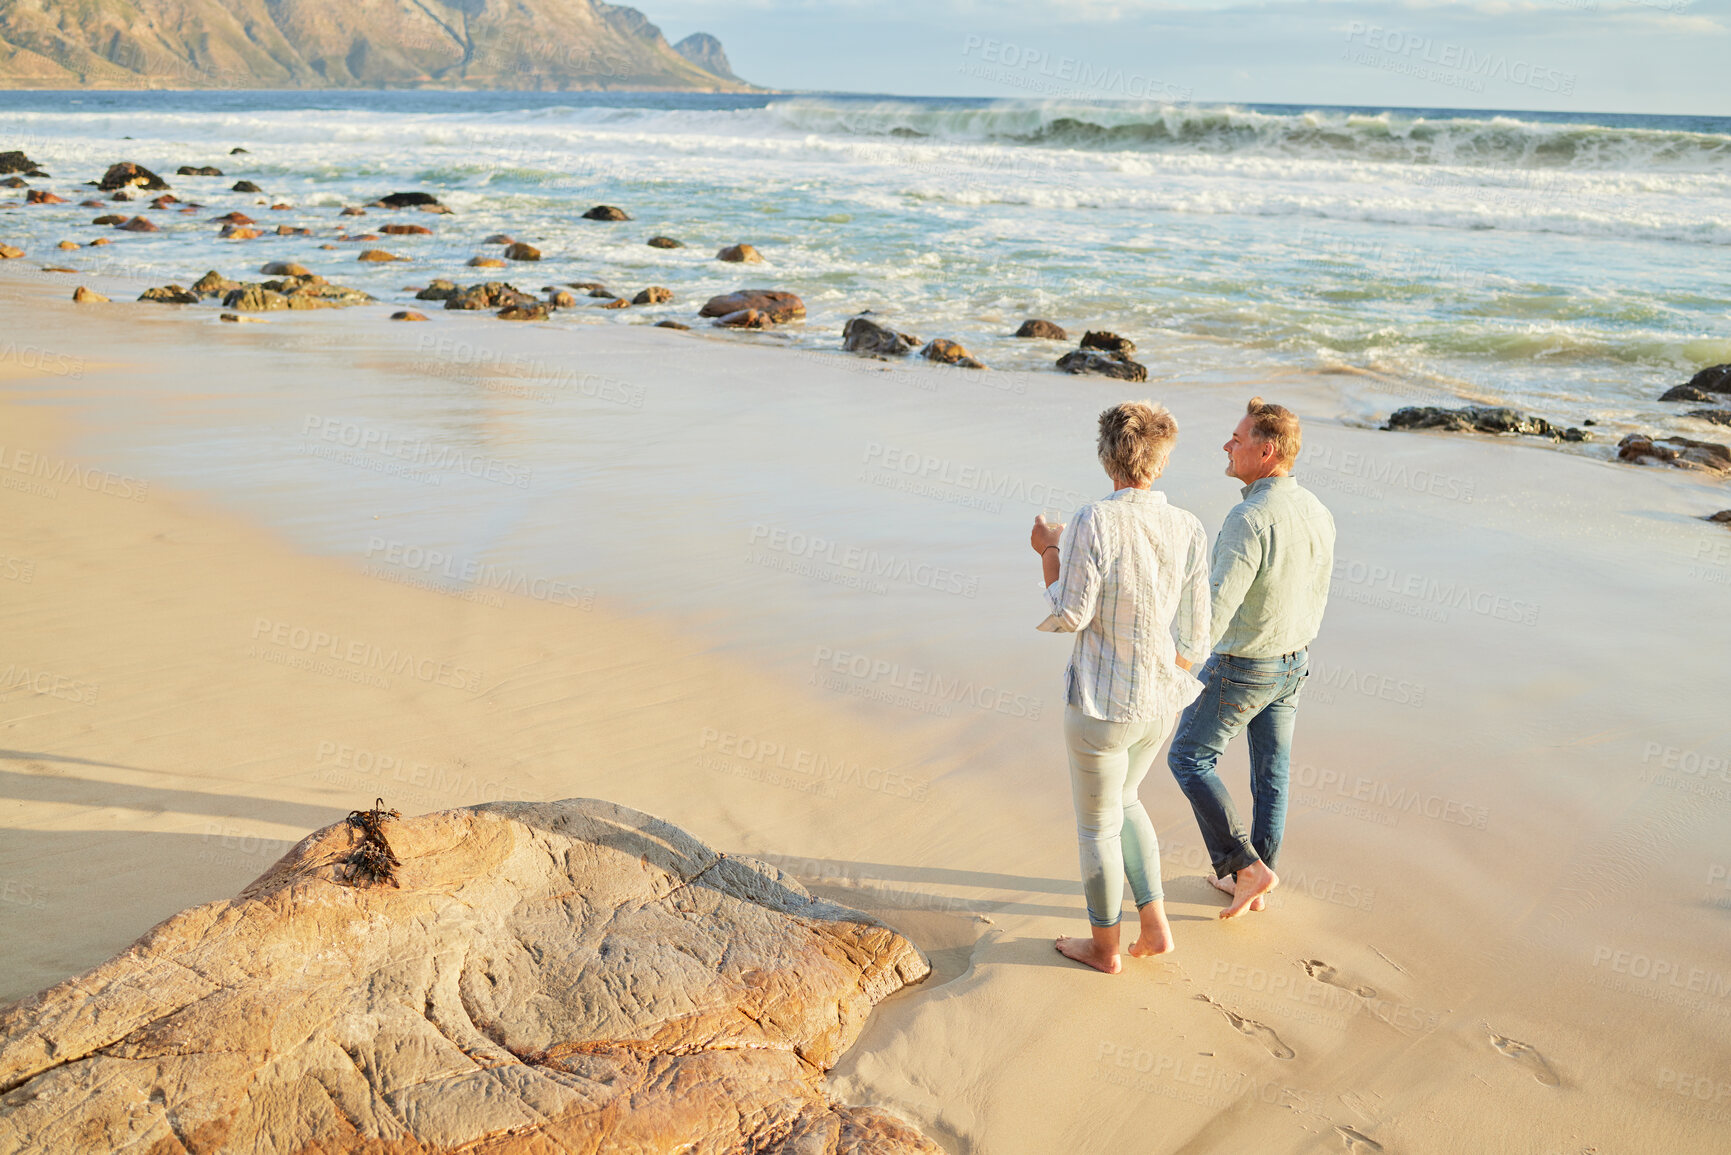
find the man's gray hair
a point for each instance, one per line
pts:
(1136, 438)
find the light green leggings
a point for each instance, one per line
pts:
(1108, 761)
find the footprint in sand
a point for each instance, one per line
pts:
(1259, 1032)
(1323, 973)
(1527, 1056)
(1357, 1140)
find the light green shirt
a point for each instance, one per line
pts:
(1272, 563)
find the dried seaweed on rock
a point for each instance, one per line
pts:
(373, 860)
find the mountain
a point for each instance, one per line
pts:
(516, 44)
(704, 50)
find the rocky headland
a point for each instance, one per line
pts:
(565, 45)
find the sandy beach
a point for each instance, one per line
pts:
(234, 613)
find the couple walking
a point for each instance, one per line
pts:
(1125, 576)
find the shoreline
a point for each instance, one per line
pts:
(471, 351)
(702, 687)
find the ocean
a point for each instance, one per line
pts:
(1573, 265)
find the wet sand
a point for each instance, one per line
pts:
(1505, 900)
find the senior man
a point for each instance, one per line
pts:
(1269, 584)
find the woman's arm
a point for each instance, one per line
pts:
(1074, 575)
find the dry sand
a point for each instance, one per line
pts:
(1505, 917)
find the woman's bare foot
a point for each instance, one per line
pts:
(1229, 884)
(1099, 951)
(1156, 936)
(1252, 883)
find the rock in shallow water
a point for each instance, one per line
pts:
(169, 295)
(606, 213)
(1107, 342)
(1103, 364)
(1034, 327)
(866, 337)
(559, 976)
(776, 305)
(1714, 379)
(947, 352)
(129, 175)
(740, 254)
(1479, 419)
(405, 200)
(1683, 452)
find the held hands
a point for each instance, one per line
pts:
(1046, 534)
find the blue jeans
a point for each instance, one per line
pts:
(1108, 761)
(1259, 695)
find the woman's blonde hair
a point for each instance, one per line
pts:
(1136, 438)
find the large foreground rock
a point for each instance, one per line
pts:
(570, 976)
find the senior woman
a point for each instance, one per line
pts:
(1127, 574)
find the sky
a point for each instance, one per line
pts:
(1651, 56)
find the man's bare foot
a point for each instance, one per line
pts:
(1229, 884)
(1252, 883)
(1091, 952)
(1156, 936)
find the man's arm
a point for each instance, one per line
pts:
(1237, 561)
(1194, 602)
